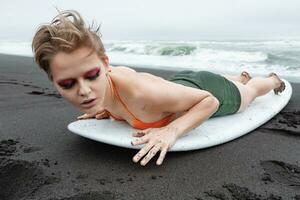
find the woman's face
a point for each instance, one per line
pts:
(79, 77)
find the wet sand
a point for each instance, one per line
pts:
(41, 159)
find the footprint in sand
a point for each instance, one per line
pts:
(19, 179)
(89, 196)
(287, 122)
(281, 172)
(237, 192)
(34, 92)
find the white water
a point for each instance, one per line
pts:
(257, 57)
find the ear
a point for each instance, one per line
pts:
(105, 61)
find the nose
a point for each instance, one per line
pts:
(84, 89)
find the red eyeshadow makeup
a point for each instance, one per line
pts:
(92, 72)
(69, 82)
(66, 83)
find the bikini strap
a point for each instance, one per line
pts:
(114, 91)
(109, 80)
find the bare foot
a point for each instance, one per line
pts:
(281, 84)
(245, 77)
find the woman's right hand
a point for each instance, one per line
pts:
(98, 115)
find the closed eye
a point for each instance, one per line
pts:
(67, 84)
(93, 74)
(93, 77)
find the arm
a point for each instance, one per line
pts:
(197, 104)
(195, 116)
(161, 139)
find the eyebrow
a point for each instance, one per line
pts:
(85, 74)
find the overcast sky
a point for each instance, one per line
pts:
(161, 19)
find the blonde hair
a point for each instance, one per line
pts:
(64, 34)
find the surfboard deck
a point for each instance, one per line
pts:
(212, 132)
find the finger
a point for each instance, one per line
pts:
(138, 134)
(85, 116)
(100, 111)
(162, 156)
(81, 116)
(150, 155)
(141, 140)
(100, 116)
(103, 112)
(146, 131)
(142, 152)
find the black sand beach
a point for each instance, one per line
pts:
(41, 159)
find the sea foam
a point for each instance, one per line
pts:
(257, 57)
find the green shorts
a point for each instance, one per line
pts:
(224, 90)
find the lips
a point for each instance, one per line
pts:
(88, 103)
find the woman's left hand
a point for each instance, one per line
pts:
(157, 139)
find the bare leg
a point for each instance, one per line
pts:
(262, 85)
(258, 86)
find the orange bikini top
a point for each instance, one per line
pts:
(138, 124)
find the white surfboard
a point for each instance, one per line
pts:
(212, 132)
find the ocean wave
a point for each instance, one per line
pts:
(291, 59)
(177, 50)
(243, 43)
(231, 56)
(153, 49)
(255, 56)
(197, 50)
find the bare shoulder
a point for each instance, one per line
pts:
(133, 79)
(125, 69)
(168, 96)
(124, 78)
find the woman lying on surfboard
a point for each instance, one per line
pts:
(161, 110)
